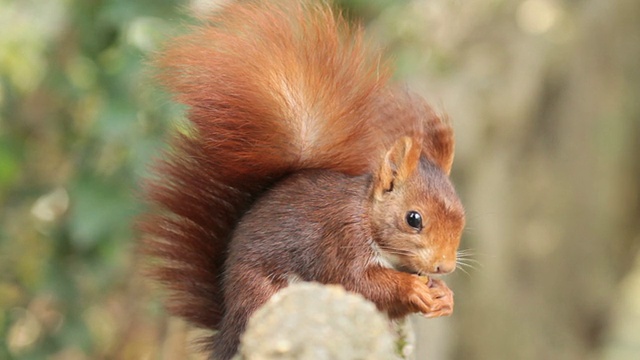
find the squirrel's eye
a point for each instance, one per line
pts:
(414, 219)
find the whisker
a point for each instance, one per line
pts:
(466, 257)
(396, 250)
(472, 261)
(464, 271)
(467, 251)
(469, 263)
(463, 265)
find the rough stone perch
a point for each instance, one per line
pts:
(314, 321)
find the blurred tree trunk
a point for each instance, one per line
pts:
(553, 188)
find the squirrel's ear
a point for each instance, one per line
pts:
(398, 164)
(439, 144)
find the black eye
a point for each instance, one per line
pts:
(414, 219)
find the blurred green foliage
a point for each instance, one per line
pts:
(79, 124)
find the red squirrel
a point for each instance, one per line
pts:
(302, 162)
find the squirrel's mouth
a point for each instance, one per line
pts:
(418, 273)
(392, 261)
(425, 277)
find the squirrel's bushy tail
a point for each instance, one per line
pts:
(271, 88)
(279, 85)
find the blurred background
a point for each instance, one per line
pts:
(545, 100)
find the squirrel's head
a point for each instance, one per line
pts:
(416, 216)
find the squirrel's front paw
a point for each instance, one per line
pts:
(443, 304)
(433, 299)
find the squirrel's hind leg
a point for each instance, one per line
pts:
(245, 291)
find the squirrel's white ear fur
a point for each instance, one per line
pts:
(398, 164)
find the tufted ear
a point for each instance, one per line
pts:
(398, 164)
(439, 143)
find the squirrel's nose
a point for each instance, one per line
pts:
(444, 267)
